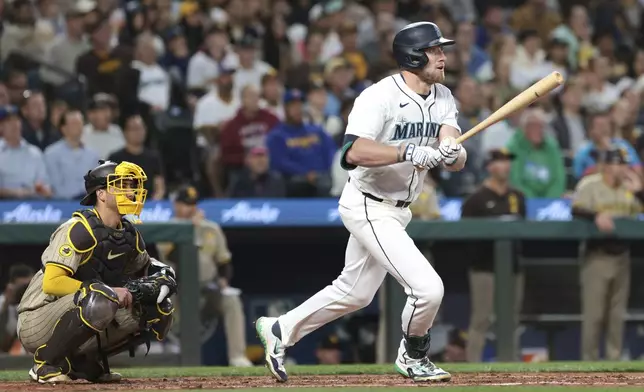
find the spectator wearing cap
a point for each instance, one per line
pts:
(329, 351)
(529, 62)
(145, 85)
(476, 61)
(272, 93)
(495, 198)
(67, 48)
(206, 64)
(36, 128)
(601, 137)
(215, 273)
(136, 152)
(251, 69)
(100, 134)
(535, 15)
(338, 75)
(538, 170)
(23, 174)
(257, 180)
(601, 94)
(311, 68)
(348, 32)
(246, 130)
(101, 64)
(614, 192)
(301, 152)
(192, 22)
(177, 56)
(68, 160)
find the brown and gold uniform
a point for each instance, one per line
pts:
(486, 203)
(605, 267)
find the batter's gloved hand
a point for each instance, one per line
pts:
(450, 150)
(422, 157)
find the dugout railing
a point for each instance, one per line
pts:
(182, 234)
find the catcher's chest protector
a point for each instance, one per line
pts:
(108, 251)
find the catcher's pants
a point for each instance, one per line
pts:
(482, 310)
(378, 245)
(605, 287)
(35, 327)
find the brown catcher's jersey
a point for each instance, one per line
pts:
(62, 252)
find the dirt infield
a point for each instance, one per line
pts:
(579, 379)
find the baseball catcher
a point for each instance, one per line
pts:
(98, 293)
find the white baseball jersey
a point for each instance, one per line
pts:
(390, 113)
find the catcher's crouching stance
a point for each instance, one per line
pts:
(99, 293)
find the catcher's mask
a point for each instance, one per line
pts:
(124, 180)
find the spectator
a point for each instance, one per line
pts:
(204, 66)
(568, 124)
(476, 61)
(4, 95)
(311, 69)
(140, 19)
(492, 26)
(529, 63)
(257, 180)
(20, 32)
(301, 152)
(68, 160)
(19, 277)
(338, 76)
(576, 33)
(535, 15)
(606, 47)
(327, 16)
(67, 48)
(101, 64)
(135, 151)
(17, 84)
(557, 59)
(100, 134)
(36, 128)
(601, 137)
(177, 56)
(329, 351)
(277, 49)
(538, 170)
(218, 106)
(246, 130)
(22, 169)
(601, 94)
(349, 38)
(272, 92)
(624, 114)
(251, 69)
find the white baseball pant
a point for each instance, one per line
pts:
(378, 245)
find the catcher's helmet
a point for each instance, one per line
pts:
(410, 43)
(124, 180)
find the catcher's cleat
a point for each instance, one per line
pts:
(44, 374)
(421, 370)
(93, 371)
(269, 332)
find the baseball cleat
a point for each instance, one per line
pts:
(46, 374)
(421, 370)
(269, 332)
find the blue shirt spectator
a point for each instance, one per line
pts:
(22, 168)
(584, 163)
(68, 160)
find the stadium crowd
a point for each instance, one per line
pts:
(249, 98)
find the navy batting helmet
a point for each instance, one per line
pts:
(410, 43)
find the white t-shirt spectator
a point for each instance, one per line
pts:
(525, 70)
(154, 85)
(103, 142)
(212, 110)
(203, 69)
(599, 101)
(251, 76)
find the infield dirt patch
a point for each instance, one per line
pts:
(577, 379)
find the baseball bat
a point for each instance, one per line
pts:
(524, 99)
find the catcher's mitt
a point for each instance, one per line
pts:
(148, 290)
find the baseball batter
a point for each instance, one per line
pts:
(398, 129)
(98, 293)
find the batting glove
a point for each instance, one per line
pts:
(450, 150)
(423, 157)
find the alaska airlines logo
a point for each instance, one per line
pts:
(409, 130)
(25, 212)
(557, 210)
(243, 212)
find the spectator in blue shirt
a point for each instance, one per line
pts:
(68, 159)
(600, 138)
(301, 152)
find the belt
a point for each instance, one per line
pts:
(395, 203)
